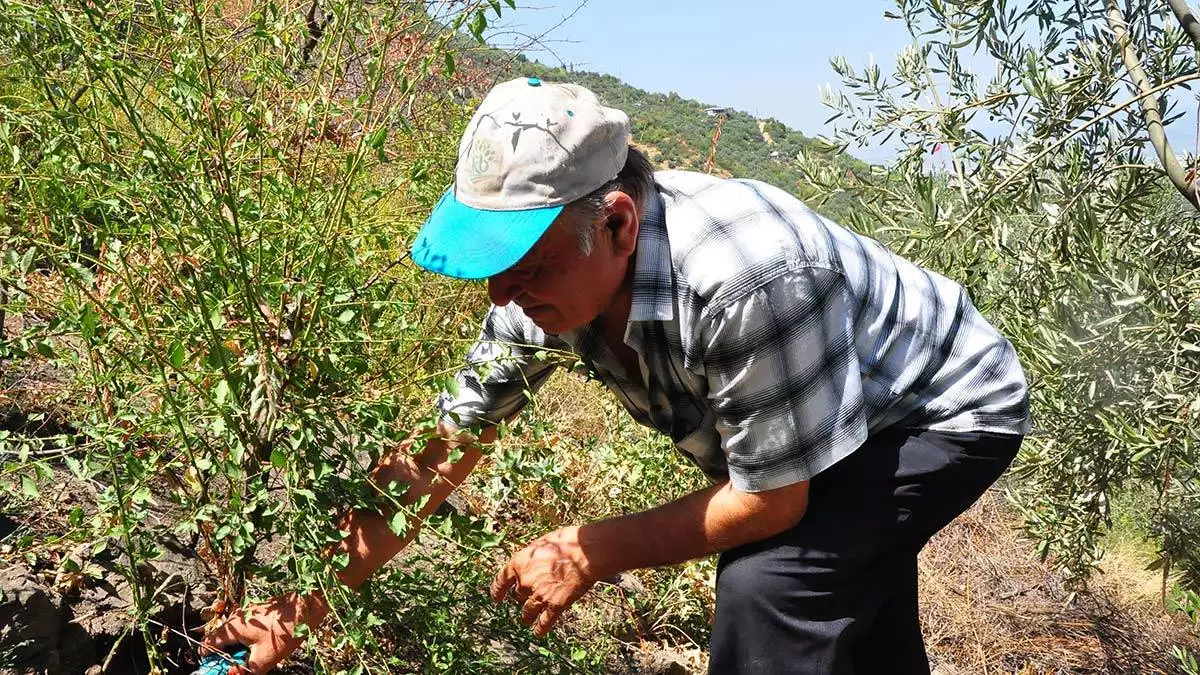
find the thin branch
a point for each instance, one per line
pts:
(994, 190)
(1187, 19)
(1149, 104)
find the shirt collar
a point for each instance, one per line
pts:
(653, 295)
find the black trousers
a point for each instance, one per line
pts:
(837, 594)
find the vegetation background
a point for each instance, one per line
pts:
(209, 330)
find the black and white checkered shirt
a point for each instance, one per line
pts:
(772, 341)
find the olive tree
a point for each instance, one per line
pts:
(1033, 165)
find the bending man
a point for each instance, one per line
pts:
(846, 403)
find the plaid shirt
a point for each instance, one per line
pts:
(772, 342)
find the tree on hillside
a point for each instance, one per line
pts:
(1034, 167)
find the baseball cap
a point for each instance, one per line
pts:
(531, 148)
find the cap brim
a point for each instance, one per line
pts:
(460, 241)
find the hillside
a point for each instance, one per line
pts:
(677, 132)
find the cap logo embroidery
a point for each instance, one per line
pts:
(481, 161)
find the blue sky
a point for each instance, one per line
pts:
(766, 57)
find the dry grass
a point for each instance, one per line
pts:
(1123, 571)
(988, 606)
(579, 408)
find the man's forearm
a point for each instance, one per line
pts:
(708, 521)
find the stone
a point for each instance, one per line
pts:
(664, 662)
(30, 619)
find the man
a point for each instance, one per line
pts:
(846, 403)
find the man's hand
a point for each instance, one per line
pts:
(546, 577)
(267, 630)
(554, 571)
(369, 543)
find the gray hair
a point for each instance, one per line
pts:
(636, 179)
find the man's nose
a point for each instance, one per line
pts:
(502, 288)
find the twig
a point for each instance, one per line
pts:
(316, 28)
(1063, 141)
(1149, 103)
(113, 652)
(1186, 19)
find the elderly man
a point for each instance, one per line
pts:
(846, 403)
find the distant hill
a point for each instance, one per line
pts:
(681, 129)
(677, 132)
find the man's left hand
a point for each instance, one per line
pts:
(546, 577)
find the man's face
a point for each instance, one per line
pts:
(558, 287)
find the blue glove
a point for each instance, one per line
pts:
(219, 663)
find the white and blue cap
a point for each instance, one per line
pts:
(531, 148)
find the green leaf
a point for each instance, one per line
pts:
(1138, 456)
(141, 496)
(278, 459)
(398, 523)
(75, 466)
(176, 354)
(478, 25)
(449, 60)
(87, 322)
(376, 138)
(29, 488)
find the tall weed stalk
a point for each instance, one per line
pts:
(205, 216)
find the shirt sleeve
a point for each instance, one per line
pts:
(784, 379)
(503, 369)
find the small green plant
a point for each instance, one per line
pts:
(204, 222)
(1187, 661)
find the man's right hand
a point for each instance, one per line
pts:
(267, 629)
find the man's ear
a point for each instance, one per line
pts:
(622, 220)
